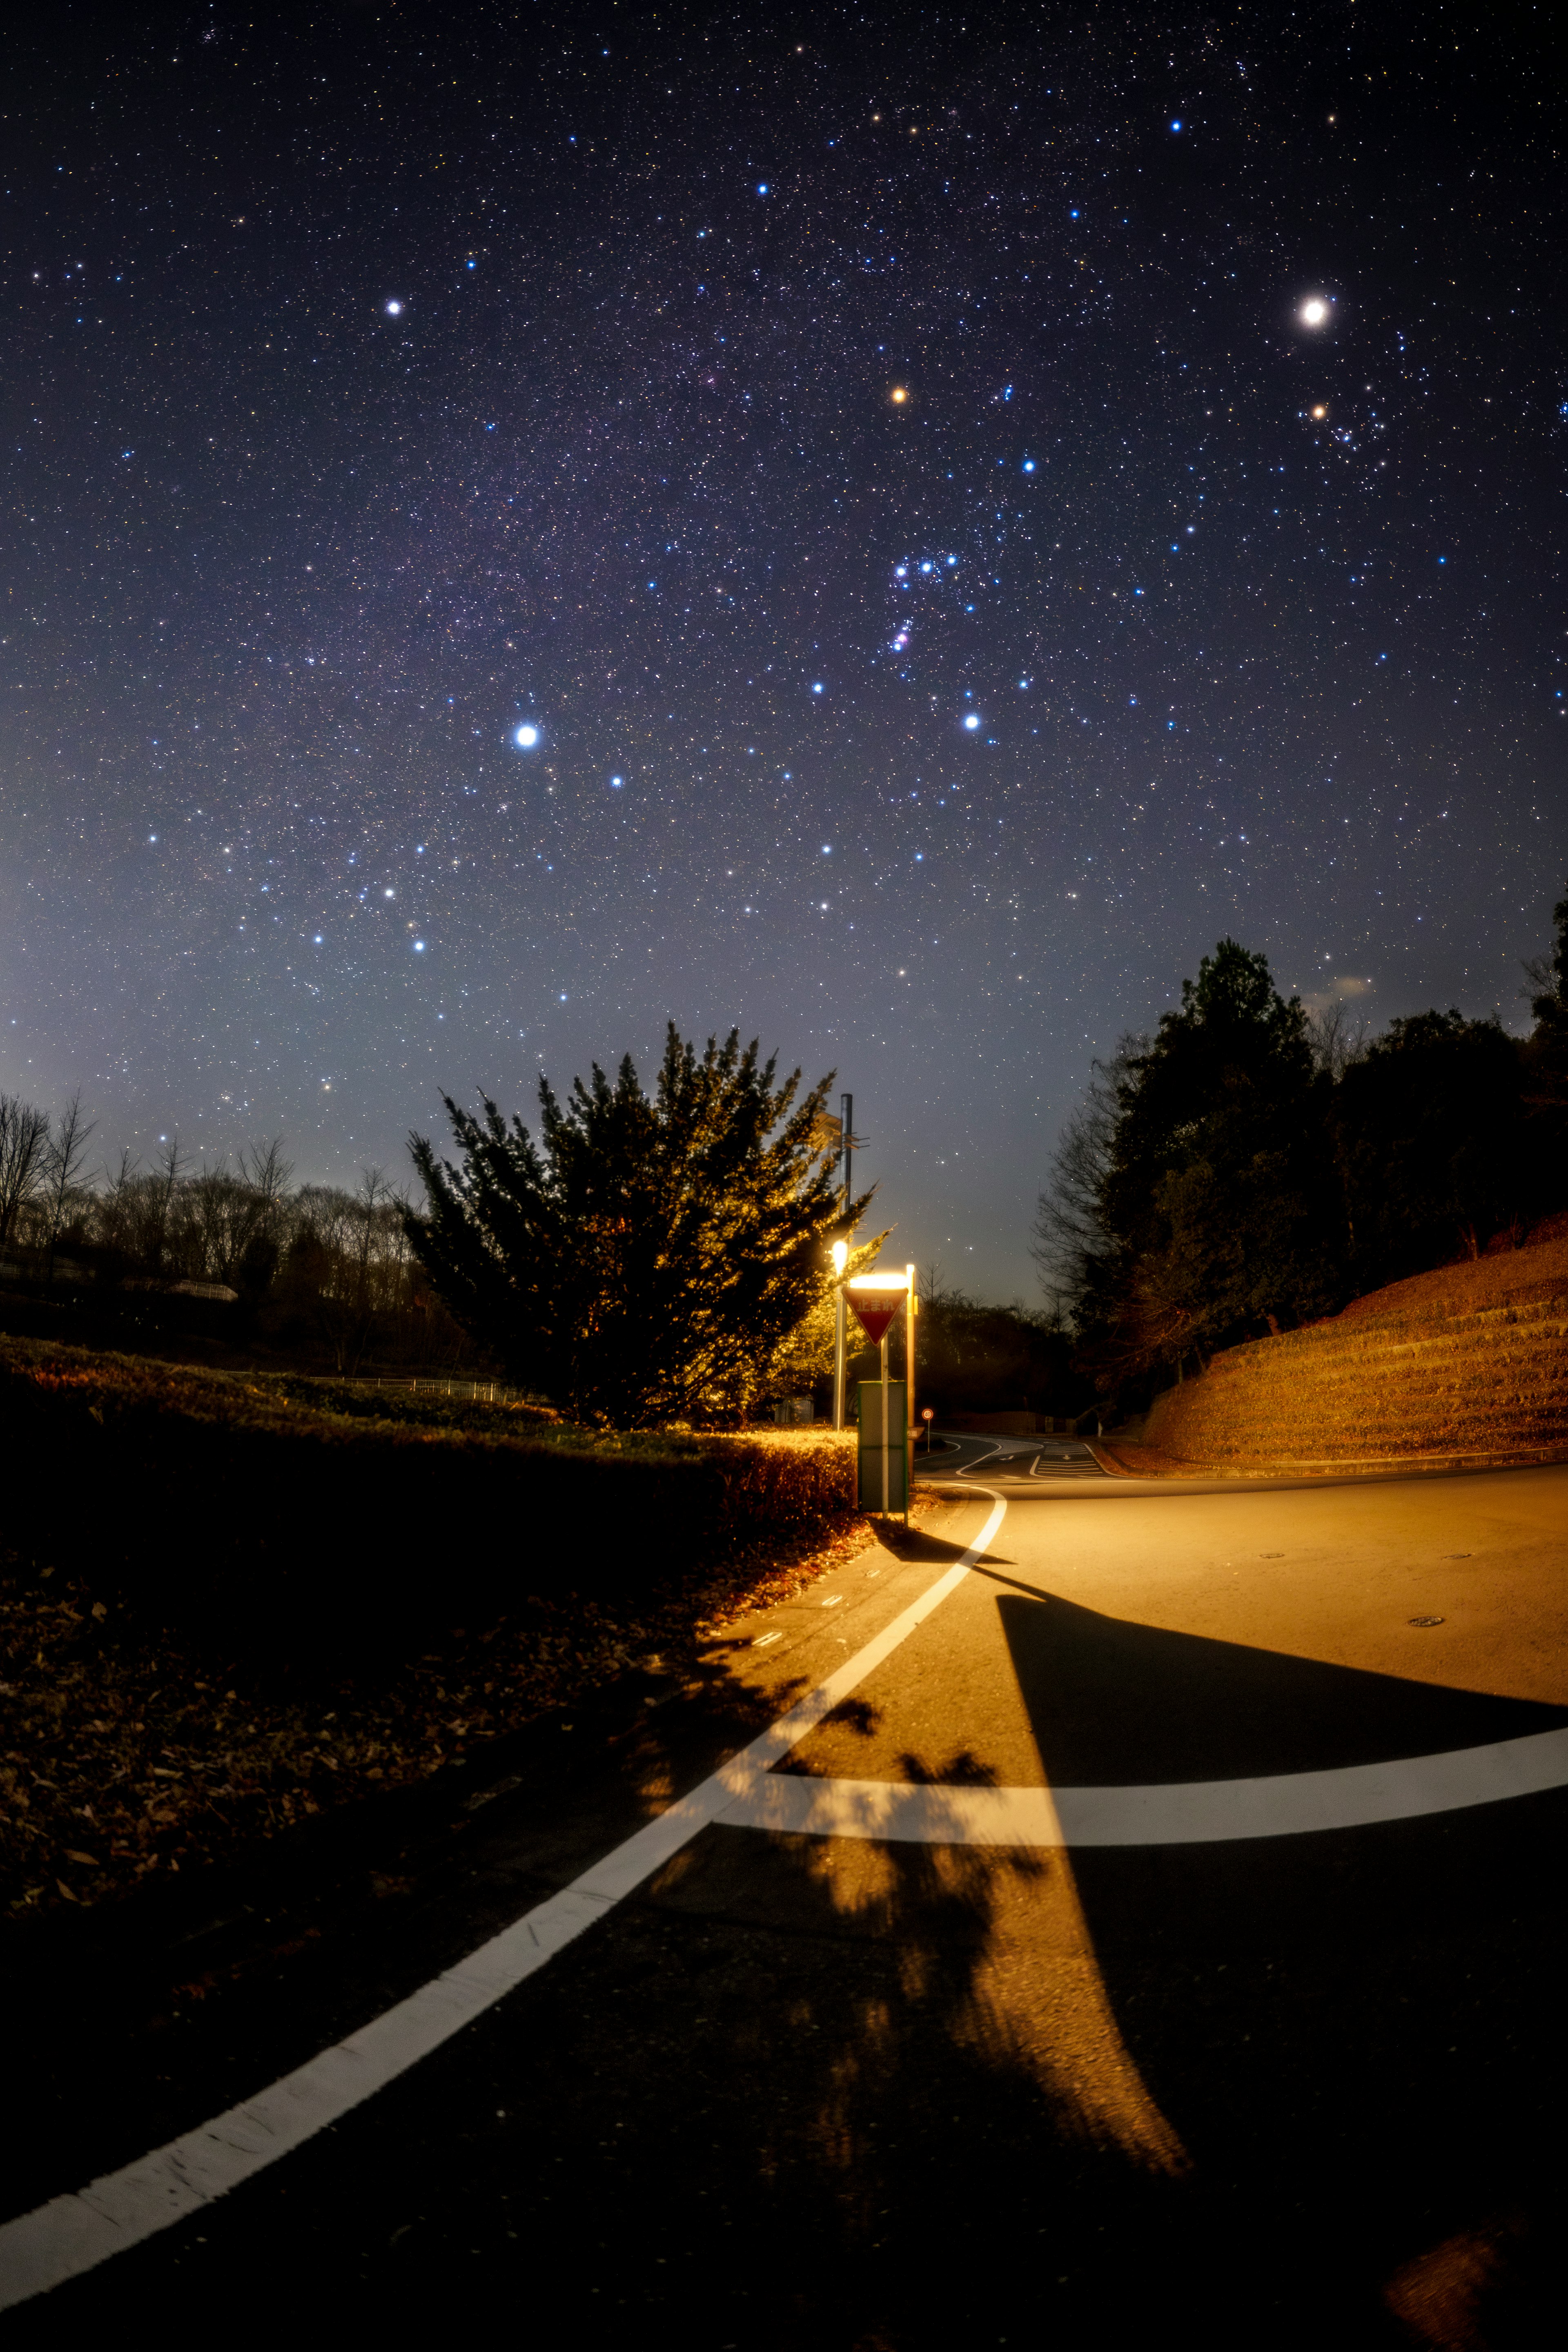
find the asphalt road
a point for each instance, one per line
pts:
(1273, 2089)
(999, 1461)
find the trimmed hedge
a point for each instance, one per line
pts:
(307, 1518)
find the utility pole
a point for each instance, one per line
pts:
(847, 1151)
(912, 1310)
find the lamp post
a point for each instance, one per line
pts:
(840, 1258)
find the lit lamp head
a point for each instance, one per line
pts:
(840, 1257)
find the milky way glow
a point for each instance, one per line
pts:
(290, 572)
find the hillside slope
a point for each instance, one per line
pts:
(1470, 1359)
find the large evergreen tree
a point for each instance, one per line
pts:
(1435, 1144)
(1245, 1167)
(1546, 1054)
(1197, 1199)
(645, 1259)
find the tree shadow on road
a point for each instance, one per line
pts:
(809, 2095)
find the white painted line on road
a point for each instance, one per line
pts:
(73, 2233)
(1177, 1812)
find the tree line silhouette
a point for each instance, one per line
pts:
(238, 1253)
(1250, 1166)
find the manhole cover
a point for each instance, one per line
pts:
(1427, 1621)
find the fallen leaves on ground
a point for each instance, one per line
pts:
(128, 1752)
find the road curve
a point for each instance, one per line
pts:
(1154, 1771)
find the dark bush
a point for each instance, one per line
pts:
(254, 1510)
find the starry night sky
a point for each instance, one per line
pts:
(380, 381)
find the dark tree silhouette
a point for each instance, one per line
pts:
(24, 1159)
(1195, 1197)
(1546, 1051)
(1436, 1153)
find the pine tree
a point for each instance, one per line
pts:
(1196, 1201)
(1546, 1058)
(1435, 1142)
(646, 1257)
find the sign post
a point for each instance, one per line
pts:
(886, 1461)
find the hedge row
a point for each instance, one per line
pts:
(298, 1515)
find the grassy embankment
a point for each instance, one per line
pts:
(1468, 1364)
(230, 1601)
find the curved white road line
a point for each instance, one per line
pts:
(962, 1469)
(74, 2232)
(1181, 1812)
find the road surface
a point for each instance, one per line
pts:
(1162, 1937)
(999, 1461)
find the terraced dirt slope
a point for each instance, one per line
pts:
(1470, 1360)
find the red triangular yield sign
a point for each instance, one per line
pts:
(873, 1321)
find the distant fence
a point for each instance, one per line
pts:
(443, 1384)
(1013, 1424)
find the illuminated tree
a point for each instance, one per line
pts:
(646, 1258)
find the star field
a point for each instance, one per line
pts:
(895, 530)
